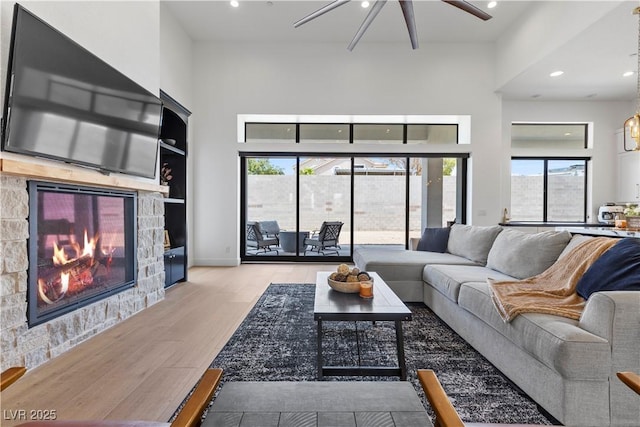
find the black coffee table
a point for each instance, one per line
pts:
(330, 305)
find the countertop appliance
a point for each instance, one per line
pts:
(607, 213)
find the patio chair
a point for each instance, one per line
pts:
(325, 240)
(270, 229)
(256, 240)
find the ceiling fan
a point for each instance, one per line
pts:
(407, 11)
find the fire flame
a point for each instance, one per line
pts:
(60, 258)
(89, 245)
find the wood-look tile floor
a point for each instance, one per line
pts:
(142, 368)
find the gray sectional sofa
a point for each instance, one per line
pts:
(567, 366)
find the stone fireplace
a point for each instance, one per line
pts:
(31, 343)
(82, 243)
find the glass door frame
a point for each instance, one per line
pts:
(461, 203)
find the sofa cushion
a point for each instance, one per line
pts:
(434, 240)
(524, 255)
(557, 342)
(400, 264)
(448, 278)
(472, 242)
(575, 241)
(618, 269)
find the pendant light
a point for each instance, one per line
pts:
(632, 124)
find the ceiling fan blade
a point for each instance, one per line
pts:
(377, 7)
(320, 12)
(468, 7)
(409, 18)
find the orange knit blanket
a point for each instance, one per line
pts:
(554, 290)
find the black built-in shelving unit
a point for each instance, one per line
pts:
(173, 153)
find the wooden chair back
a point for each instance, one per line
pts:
(11, 375)
(188, 416)
(446, 414)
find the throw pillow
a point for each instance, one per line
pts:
(472, 242)
(434, 240)
(522, 255)
(575, 241)
(618, 269)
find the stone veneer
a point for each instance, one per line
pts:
(30, 347)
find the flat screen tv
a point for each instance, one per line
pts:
(64, 103)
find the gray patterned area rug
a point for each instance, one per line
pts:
(277, 342)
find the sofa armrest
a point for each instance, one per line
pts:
(615, 316)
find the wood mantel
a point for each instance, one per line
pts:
(75, 175)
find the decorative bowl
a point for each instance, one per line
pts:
(345, 287)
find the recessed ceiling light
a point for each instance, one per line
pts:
(364, 4)
(492, 4)
(628, 74)
(234, 3)
(556, 73)
(567, 134)
(536, 95)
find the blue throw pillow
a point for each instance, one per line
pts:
(434, 240)
(618, 269)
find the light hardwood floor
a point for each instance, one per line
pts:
(143, 367)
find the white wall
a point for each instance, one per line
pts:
(176, 79)
(219, 81)
(549, 25)
(607, 118)
(327, 79)
(373, 79)
(176, 59)
(122, 33)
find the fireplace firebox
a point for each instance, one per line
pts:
(82, 247)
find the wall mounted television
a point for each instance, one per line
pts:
(64, 103)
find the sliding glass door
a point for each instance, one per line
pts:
(380, 197)
(325, 198)
(434, 193)
(318, 208)
(270, 197)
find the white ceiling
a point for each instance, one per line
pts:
(593, 61)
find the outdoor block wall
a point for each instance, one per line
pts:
(565, 199)
(380, 200)
(30, 347)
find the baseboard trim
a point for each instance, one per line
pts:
(216, 262)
